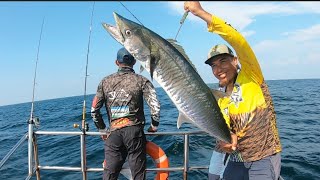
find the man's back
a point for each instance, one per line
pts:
(123, 92)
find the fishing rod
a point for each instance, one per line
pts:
(85, 126)
(33, 120)
(34, 79)
(184, 17)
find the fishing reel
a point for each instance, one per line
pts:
(86, 126)
(35, 121)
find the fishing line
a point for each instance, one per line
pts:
(84, 126)
(131, 13)
(181, 23)
(184, 17)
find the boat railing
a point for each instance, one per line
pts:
(35, 167)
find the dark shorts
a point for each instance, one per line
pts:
(213, 176)
(267, 168)
(129, 141)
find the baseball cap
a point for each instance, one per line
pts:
(123, 56)
(217, 50)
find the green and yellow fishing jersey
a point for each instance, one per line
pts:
(248, 111)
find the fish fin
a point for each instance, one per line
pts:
(114, 32)
(152, 65)
(153, 59)
(181, 50)
(126, 173)
(218, 94)
(182, 119)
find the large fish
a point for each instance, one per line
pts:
(168, 64)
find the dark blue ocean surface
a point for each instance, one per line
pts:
(297, 104)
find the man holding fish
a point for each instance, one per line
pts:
(247, 107)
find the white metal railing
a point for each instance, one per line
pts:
(36, 168)
(185, 168)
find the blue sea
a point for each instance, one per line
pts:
(297, 105)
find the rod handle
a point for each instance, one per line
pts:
(184, 17)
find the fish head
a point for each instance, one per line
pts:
(130, 35)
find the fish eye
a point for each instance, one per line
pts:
(128, 32)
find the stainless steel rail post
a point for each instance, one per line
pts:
(83, 156)
(186, 157)
(36, 158)
(30, 148)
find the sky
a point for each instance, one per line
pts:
(284, 36)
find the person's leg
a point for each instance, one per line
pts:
(135, 141)
(213, 176)
(216, 166)
(267, 168)
(235, 171)
(115, 155)
(276, 163)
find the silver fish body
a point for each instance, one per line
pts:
(171, 68)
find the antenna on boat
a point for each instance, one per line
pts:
(33, 120)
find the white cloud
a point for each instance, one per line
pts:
(296, 55)
(301, 43)
(308, 7)
(312, 33)
(246, 34)
(242, 14)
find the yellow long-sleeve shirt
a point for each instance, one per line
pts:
(249, 110)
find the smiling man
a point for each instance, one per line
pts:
(247, 108)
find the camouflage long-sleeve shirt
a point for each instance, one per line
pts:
(123, 93)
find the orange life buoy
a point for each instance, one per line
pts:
(159, 157)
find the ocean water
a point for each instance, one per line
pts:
(297, 104)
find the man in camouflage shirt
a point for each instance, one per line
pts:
(123, 93)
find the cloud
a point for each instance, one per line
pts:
(242, 14)
(247, 33)
(301, 43)
(311, 33)
(295, 55)
(308, 7)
